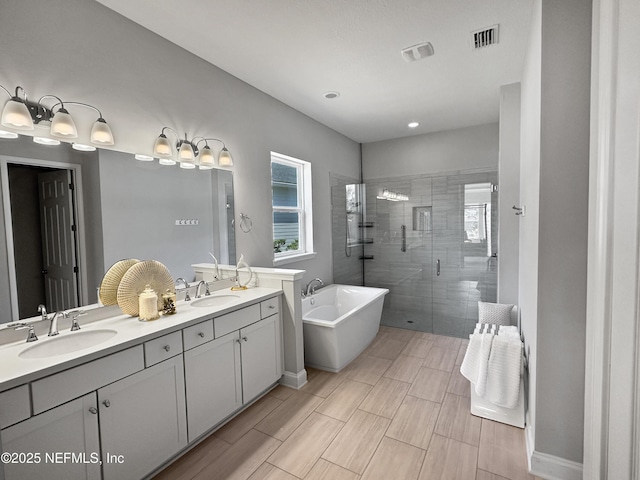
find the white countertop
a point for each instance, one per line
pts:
(15, 370)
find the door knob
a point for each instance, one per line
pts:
(106, 403)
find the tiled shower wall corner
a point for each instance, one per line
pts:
(347, 266)
(419, 299)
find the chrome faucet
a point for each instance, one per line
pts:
(311, 287)
(206, 286)
(43, 310)
(74, 314)
(53, 326)
(187, 298)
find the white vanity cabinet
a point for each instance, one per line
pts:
(261, 356)
(40, 443)
(143, 420)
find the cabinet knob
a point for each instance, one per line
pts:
(93, 410)
(245, 339)
(238, 340)
(106, 403)
(167, 348)
(271, 307)
(201, 334)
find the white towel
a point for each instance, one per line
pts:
(469, 367)
(483, 363)
(503, 376)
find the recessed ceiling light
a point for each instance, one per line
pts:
(331, 95)
(413, 125)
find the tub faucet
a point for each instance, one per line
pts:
(204, 284)
(187, 298)
(311, 287)
(53, 326)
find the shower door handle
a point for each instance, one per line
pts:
(438, 267)
(403, 229)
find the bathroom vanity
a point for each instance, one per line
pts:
(126, 406)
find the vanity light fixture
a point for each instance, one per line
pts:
(190, 154)
(22, 114)
(393, 196)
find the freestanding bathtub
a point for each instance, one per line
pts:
(339, 322)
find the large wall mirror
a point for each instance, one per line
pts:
(59, 241)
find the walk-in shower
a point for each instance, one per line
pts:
(430, 239)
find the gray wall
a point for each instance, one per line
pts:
(509, 195)
(553, 235)
(83, 51)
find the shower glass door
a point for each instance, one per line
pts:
(434, 247)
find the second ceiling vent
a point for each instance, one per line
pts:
(484, 37)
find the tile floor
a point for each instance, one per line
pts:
(399, 411)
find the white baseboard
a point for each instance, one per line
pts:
(554, 468)
(294, 380)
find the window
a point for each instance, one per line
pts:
(292, 213)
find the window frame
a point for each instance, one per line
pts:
(304, 210)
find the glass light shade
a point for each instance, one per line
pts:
(167, 161)
(62, 125)
(185, 154)
(143, 158)
(187, 165)
(46, 141)
(205, 167)
(101, 133)
(225, 160)
(5, 134)
(83, 148)
(207, 158)
(16, 115)
(162, 147)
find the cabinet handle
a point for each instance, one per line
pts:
(93, 410)
(238, 340)
(167, 348)
(271, 307)
(201, 334)
(245, 339)
(106, 403)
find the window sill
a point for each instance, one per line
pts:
(293, 258)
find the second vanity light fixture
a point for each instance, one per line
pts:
(190, 155)
(393, 196)
(19, 113)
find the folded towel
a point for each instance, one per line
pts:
(469, 367)
(503, 371)
(508, 328)
(483, 363)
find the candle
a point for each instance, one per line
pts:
(148, 305)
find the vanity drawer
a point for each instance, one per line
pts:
(269, 307)
(162, 348)
(236, 320)
(61, 387)
(197, 334)
(14, 406)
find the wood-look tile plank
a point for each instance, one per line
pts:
(394, 459)
(448, 459)
(425, 336)
(367, 369)
(242, 458)
(385, 397)
(281, 392)
(456, 422)
(430, 384)
(324, 470)
(357, 441)
(404, 368)
(266, 471)
(236, 428)
(452, 343)
(414, 422)
(190, 464)
(298, 454)
(417, 347)
(461, 352)
(502, 451)
(482, 475)
(322, 383)
(386, 347)
(282, 421)
(440, 358)
(343, 402)
(458, 384)
(397, 333)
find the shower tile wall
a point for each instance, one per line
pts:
(419, 299)
(347, 270)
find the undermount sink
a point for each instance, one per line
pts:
(68, 343)
(214, 300)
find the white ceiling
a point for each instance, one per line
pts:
(295, 50)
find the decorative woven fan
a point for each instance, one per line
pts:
(134, 281)
(108, 293)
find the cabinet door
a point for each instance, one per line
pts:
(142, 420)
(261, 356)
(63, 440)
(212, 376)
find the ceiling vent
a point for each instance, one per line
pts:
(484, 37)
(417, 52)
